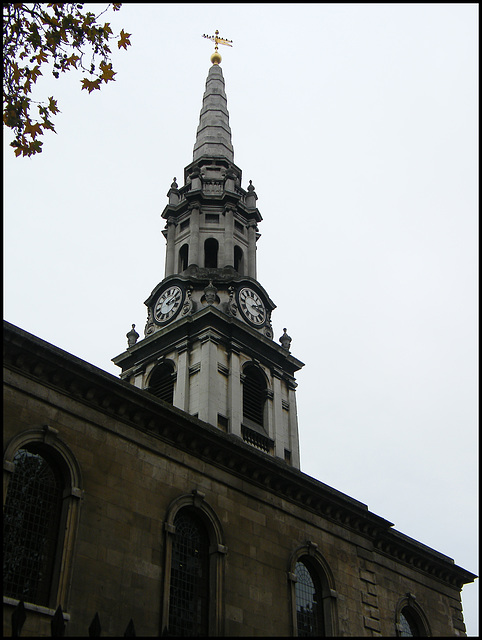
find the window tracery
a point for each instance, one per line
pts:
(189, 605)
(309, 612)
(313, 595)
(31, 525)
(194, 568)
(41, 511)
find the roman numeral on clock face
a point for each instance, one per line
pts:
(252, 306)
(168, 304)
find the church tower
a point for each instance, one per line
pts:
(208, 343)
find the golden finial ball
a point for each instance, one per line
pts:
(216, 58)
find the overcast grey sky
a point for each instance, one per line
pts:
(358, 125)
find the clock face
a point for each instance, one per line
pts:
(168, 304)
(252, 307)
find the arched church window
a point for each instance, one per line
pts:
(238, 260)
(161, 382)
(309, 606)
(192, 601)
(189, 584)
(408, 626)
(31, 525)
(183, 257)
(254, 395)
(211, 247)
(411, 621)
(313, 594)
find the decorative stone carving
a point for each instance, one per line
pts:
(150, 326)
(285, 340)
(173, 193)
(132, 336)
(189, 305)
(251, 196)
(210, 294)
(231, 306)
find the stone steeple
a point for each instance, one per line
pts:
(214, 133)
(208, 343)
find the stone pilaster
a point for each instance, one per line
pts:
(170, 249)
(194, 251)
(228, 238)
(278, 435)
(208, 408)
(252, 250)
(294, 440)
(235, 396)
(181, 388)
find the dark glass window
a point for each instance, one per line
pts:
(254, 395)
(189, 590)
(408, 624)
(309, 615)
(183, 257)
(31, 526)
(238, 259)
(211, 253)
(161, 382)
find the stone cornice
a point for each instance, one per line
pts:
(230, 331)
(32, 358)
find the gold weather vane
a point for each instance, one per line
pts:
(216, 57)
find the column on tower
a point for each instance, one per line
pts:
(279, 444)
(293, 425)
(235, 396)
(208, 409)
(229, 238)
(252, 250)
(194, 235)
(181, 388)
(170, 248)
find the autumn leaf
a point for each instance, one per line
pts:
(41, 57)
(33, 129)
(53, 106)
(63, 35)
(124, 39)
(36, 73)
(107, 72)
(72, 60)
(90, 85)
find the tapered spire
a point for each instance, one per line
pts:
(214, 133)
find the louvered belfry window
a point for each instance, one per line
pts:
(31, 527)
(254, 395)
(189, 590)
(161, 383)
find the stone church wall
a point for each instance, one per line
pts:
(129, 480)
